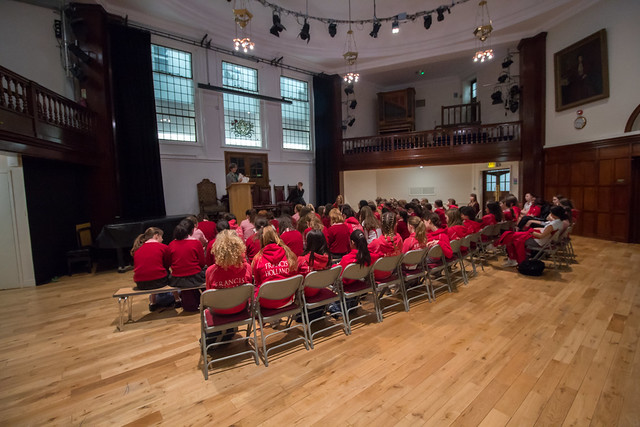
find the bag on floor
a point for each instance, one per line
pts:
(190, 299)
(165, 299)
(531, 267)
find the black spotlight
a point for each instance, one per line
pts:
(507, 62)
(428, 20)
(344, 125)
(333, 29)
(304, 32)
(513, 105)
(376, 28)
(79, 53)
(515, 90)
(353, 104)
(496, 97)
(77, 72)
(441, 11)
(503, 77)
(277, 27)
(351, 122)
(348, 89)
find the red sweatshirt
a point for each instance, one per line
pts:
(534, 211)
(187, 257)
(353, 224)
(233, 225)
(385, 246)
(441, 214)
(412, 244)
(271, 265)
(209, 258)
(208, 228)
(488, 219)
(350, 258)
(457, 232)
(218, 278)
(402, 229)
(293, 239)
(440, 236)
(472, 226)
(151, 261)
(253, 246)
(320, 262)
(338, 238)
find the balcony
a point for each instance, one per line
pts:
(37, 122)
(452, 145)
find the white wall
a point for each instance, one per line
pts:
(455, 181)
(606, 117)
(16, 263)
(29, 46)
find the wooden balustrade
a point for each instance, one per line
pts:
(36, 121)
(500, 141)
(461, 114)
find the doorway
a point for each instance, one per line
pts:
(634, 225)
(496, 185)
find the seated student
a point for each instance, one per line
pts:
(455, 227)
(296, 215)
(275, 261)
(350, 219)
(187, 257)
(402, 226)
(314, 258)
(337, 235)
(230, 269)
(290, 236)
(441, 212)
(537, 212)
(517, 243)
(572, 213)
(451, 204)
(511, 203)
(151, 262)
(493, 214)
(197, 233)
(253, 242)
(207, 227)
(437, 235)
(467, 213)
(209, 257)
(247, 225)
(370, 224)
(388, 244)
(507, 214)
(418, 235)
(339, 202)
(233, 224)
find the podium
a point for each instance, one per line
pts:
(240, 199)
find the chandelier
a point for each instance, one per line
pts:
(242, 17)
(351, 55)
(482, 32)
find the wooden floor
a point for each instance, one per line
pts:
(505, 350)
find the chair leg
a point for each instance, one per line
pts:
(203, 345)
(264, 341)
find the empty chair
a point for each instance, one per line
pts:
(279, 290)
(437, 270)
(208, 199)
(82, 255)
(457, 260)
(354, 290)
(414, 275)
(210, 322)
(389, 264)
(278, 190)
(323, 280)
(466, 253)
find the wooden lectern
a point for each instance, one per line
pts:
(240, 199)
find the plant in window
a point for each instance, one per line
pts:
(242, 128)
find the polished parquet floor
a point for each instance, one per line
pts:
(504, 350)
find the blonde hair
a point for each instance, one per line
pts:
(420, 229)
(228, 249)
(453, 217)
(269, 235)
(335, 216)
(148, 234)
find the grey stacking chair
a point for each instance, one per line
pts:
(414, 275)
(363, 286)
(389, 264)
(437, 270)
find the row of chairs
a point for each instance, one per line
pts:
(413, 275)
(261, 196)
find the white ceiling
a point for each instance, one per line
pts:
(445, 49)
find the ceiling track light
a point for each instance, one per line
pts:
(395, 27)
(304, 32)
(376, 28)
(440, 11)
(333, 29)
(428, 20)
(348, 89)
(277, 27)
(353, 104)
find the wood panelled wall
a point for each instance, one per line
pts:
(597, 177)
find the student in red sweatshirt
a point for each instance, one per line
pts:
(197, 233)
(337, 235)
(389, 244)
(402, 226)
(493, 214)
(187, 257)
(350, 219)
(209, 257)
(418, 235)
(275, 261)
(290, 236)
(467, 213)
(230, 269)
(207, 227)
(455, 228)
(440, 211)
(437, 235)
(151, 262)
(315, 257)
(253, 242)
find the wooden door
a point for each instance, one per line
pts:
(496, 185)
(253, 165)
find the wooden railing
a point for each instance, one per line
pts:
(461, 114)
(446, 137)
(36, 116)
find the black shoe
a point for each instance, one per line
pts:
(153, 307)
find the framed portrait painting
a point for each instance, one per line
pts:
(582, 72)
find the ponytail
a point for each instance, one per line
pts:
(183, 230)
(420, 229)
(363, 257)
(148, 234)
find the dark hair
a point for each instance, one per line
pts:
(438, 203)
(388, 224)
(428, 207)
(475, 198)
(232, 166)
(452, 201)
(316, 244)
(434, 218)
(285, 210)
(348, 211)
(468, 211)
(363, 257)
(183, 230)
(251, 213)
(228, 216)
(368, 220)
(510, 202)
(261, 222)
(559, 211)
(494, 208)
(222, 224)
(566, 203)
(285, 222)
(403, 214)
(362, 203)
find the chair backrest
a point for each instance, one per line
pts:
(387, 263)
(255, 197)
(280, 289)
(322, 278)
(487, 231)
(265, 195)
(83, 235)
(435, 252)
(414, 257)
(455, 245)
(356, 272)
(466, 241)
(279, 192)
(496, 229)
(290, 188)
(207, 194)
(227, 297)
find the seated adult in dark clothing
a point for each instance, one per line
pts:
(296, 195)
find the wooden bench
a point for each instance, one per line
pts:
(125, 298)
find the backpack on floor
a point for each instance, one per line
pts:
(531, 267)
(190, 299)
